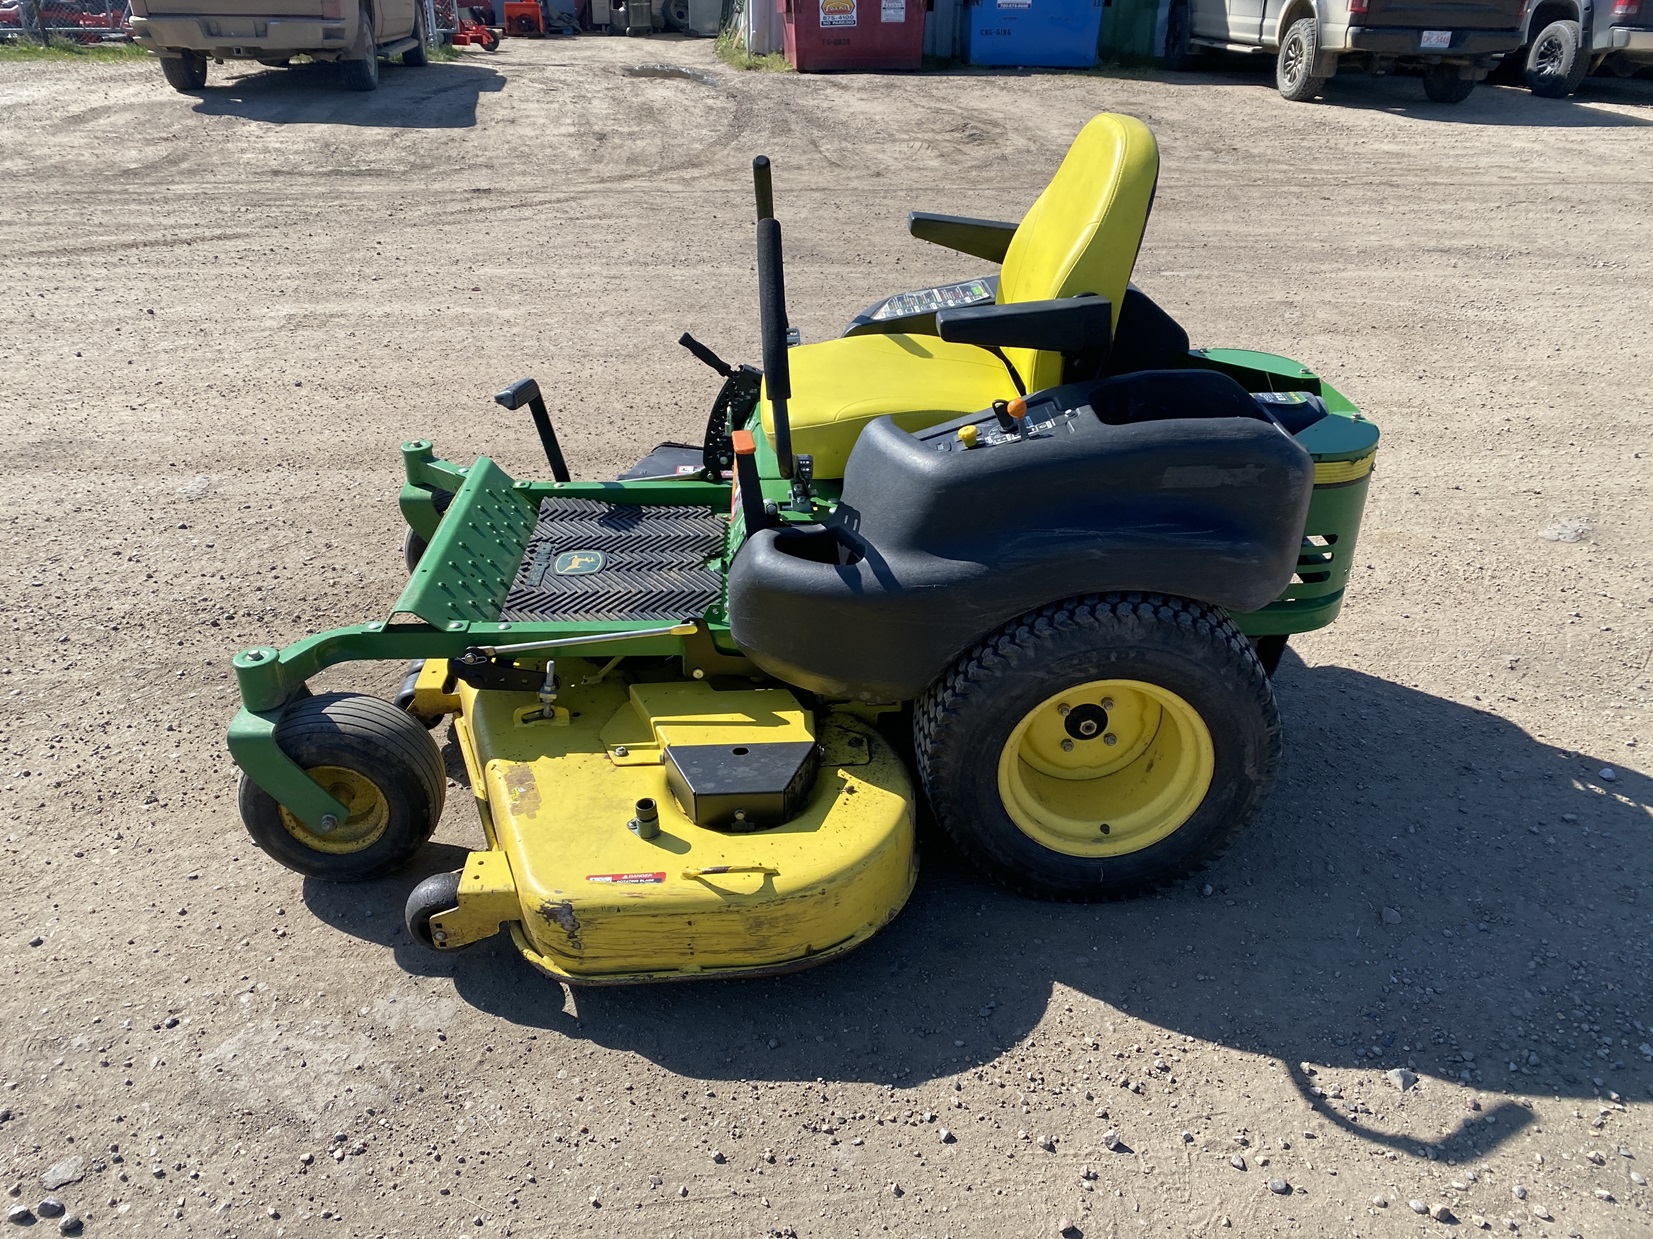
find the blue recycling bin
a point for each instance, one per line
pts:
(1053, 34)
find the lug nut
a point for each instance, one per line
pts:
(1110, 739)
(1067, 746)
(1107, 703)
(1064, 709)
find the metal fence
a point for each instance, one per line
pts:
(80, 21)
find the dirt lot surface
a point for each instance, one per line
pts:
(222, 314)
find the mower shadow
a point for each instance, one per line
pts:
(1504, 857)
(442, 95)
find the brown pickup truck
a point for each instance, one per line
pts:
(185, 34)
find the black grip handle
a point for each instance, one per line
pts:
(763, 188)
(777, 370)
(518, 394)
(705, 355)
(772, 311)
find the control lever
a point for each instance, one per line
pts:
(1008, 421)
(802, 476)
(705, 355)
(527, 392)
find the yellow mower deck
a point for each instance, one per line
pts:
(588, 900)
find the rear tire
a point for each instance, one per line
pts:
(361, 73)
(377, 759)
(1293, 69)
(186, 73)
(417, 57)
(1179, 51)
(1556, 63)
(1445, 84)
(1174, 741)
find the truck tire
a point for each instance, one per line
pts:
(1293, 71)
(1445, 84)
(1179, 51)
(361, 72)
(417, 57)
(185, 73)
(1556, 64)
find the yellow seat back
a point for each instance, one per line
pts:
(1082, 233)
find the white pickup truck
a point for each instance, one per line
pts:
(188, 33)
(1455, 42)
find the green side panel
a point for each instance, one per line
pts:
(1315, 595)
(472, 559)
(1128, 29)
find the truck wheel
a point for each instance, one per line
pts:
(1179, 51)
(185, 73)
(379, 761)
(1445, 84)
(417, 57)
(1100, 746)
(1555, 64)
(1293, 70)
(361, 72)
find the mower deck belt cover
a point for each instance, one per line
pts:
(1080, 236)
(594, 901)
(1166, 481)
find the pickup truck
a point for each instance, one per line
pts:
(1563, 40)
(185, 34)
(1455, 42)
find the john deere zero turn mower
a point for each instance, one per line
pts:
(1017, 514)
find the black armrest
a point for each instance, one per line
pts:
(980, 238)
(1073, 326)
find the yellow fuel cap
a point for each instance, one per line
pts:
(967, 436)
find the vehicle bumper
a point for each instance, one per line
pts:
(242, 38)
(1407, 41)
(1628, 39)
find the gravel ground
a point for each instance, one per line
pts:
(1417, 991)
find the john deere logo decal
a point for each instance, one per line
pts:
(579, 563)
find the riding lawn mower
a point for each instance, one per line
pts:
(1010, 545)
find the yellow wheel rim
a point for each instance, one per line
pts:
(369, 813)
(1106, 768)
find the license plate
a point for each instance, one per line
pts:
(1436, 40)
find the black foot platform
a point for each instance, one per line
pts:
(588, 560)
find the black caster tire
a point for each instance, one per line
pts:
(437, 894)
(1292, 70)
(413, 549)
(1444, 84)
(378, 760)
(185, 73)
(1100, 747)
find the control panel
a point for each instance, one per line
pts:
(1011, 421)
(929, 300)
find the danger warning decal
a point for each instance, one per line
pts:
(626, 879)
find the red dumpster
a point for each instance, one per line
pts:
(822, 35)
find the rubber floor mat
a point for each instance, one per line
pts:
(589, 560)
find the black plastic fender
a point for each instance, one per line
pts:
(1168, 482)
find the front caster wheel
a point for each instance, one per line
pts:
(378, 761)
(1101, 746)
(437, 894)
